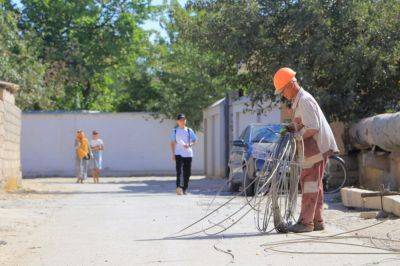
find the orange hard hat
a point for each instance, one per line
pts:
(282, 77)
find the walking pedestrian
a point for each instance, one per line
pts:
(182, 141)
(82, 156)
(310, 126)
(97, 147)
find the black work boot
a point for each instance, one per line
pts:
(300, 228)
(319, 227)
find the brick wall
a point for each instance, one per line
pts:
(10, 135)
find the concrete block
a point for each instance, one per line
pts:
(374, 170)
(378, 160)
(368, 215)
(395, 167)
(392, 204)
(351, 197)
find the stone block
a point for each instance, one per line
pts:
(11, 110)
(374, 170)
(351, 197)
(7, 96)
(378, 160)
(395, 167)
(392, 204)
(368, 215)
(10, 134)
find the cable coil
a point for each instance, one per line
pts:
(275, 195)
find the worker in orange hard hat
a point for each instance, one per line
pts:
(310, 126)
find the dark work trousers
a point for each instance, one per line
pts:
(183, 171)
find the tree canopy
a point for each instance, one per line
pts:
(95, 54)
(347, 53)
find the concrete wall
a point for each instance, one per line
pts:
(10, 132)
(214, 143)
(135, 143)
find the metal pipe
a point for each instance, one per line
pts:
(380, 130)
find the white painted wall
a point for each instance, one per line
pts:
(135, 143)
(214, 124)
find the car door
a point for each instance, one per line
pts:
(238, 155)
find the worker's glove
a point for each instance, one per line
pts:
(290, 127)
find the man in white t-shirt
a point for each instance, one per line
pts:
(182, 141)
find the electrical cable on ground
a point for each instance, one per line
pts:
(276, 181)
(275, 199)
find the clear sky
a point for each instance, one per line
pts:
(149, 24)
(154, 24)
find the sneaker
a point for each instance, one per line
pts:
(179, 191)
(300, 228)
(319, 227)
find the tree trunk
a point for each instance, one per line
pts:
(86, 96)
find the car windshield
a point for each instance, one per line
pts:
(265, 133)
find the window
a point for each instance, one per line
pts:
(269, 133)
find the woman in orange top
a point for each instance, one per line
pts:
(82, 156)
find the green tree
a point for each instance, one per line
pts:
(346, 52)
(18, 61)
(187, 79)
(83, 42)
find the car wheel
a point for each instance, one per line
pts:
(233, 187)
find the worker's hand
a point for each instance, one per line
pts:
(172, 157)
(187, 146)
(291, 127)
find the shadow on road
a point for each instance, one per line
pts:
(204, 186)
(208, 237)
(142, 187)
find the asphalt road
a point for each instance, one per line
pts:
(127, 221)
